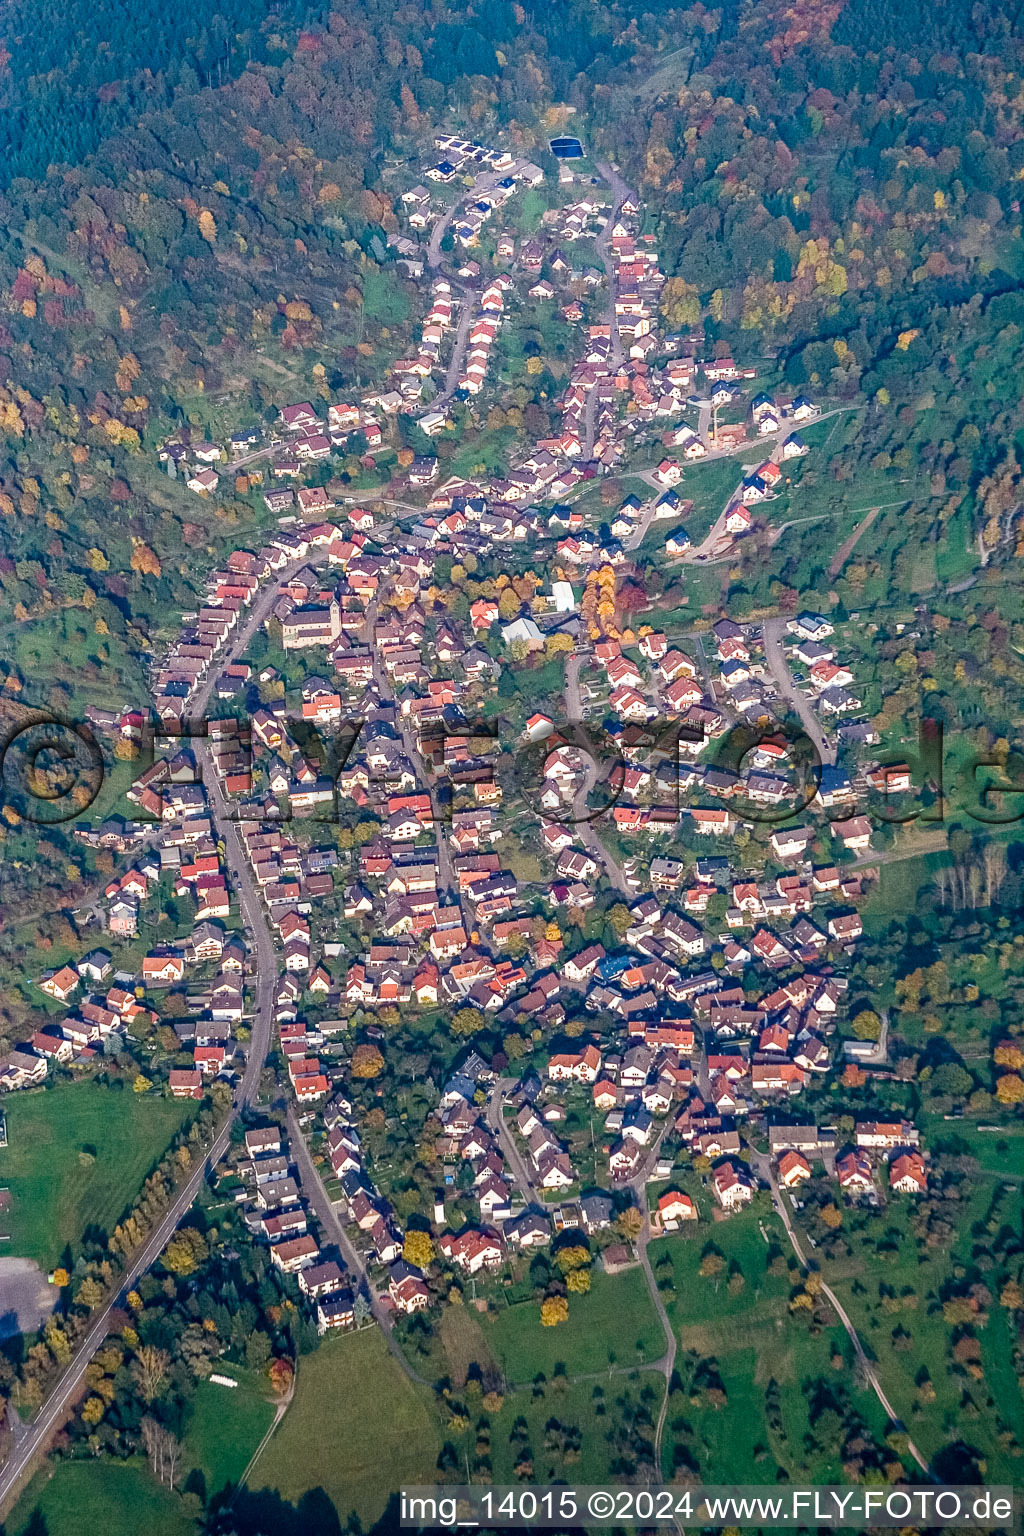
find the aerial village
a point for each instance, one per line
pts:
(332, 754)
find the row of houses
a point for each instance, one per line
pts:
(280, 1215)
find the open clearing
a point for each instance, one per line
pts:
(57, 1193)
(356, 1429)
(115, 1498)
(614, 1324)
(226, 1425)
(26, 1300)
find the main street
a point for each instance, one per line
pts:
(65, 1389)
(410, 743)
(621, 194)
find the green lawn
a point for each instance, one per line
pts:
(709, 487)
(108, 1497)
(747, 1339)
(54, 1195)
(356, 1429)
(614, 1324)
(225, 1427)
(696, 1300)
(733, 1441)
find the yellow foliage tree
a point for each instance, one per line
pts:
(11, 420)
(680, 303)
(1010, 1089)
(207, 226)
(554, 1310)
(418, 1249)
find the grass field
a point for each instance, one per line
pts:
(55, 1197)
(924, 1276)
(595, 1411)
(226, 1426)
(741, 1244)
(356, 1429)
(752, 1341)
(464, 1342)
(108, 1497)
(614, 1324)
(709, 487)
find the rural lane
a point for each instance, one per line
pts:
(763, 1167)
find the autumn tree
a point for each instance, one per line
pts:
(282, 1374)
(620, 918)
(570, 1258)
(554, 1310)
(418, 1248)
(467, 1021)
(630, 1223)
(1010, 1089)
(867, 1025)
(185, 1252)
(367, 1061)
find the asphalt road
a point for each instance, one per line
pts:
(773, 630)
(620, 193)
(334, 1230)
(496, 1122)
(485, 182)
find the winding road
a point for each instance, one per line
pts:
(871, 1375)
